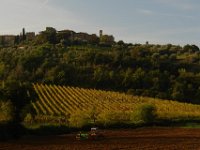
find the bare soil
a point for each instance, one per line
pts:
(130, 139)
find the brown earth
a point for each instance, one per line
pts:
(131, 139)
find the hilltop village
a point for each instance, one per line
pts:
(53, 36)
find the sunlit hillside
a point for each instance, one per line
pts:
(56, 100)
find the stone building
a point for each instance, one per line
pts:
(30, 36)
(7, 40)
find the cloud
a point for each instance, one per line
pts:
(46, 2)
(145, 11)
(183, 5)
(176, 15)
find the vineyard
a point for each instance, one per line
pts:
(58, 101)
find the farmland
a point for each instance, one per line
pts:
(145, 139)
(61, 101)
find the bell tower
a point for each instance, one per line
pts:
(100, 33)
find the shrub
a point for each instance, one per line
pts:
(108, 117)
(26, 111)
(84, 118)
(79, 119)
(144, 114)
(28, 118)
(6, 111)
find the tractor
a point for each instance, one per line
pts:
(82, 136)
(94, 134)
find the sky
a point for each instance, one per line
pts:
(136, 21)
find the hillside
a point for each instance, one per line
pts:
(62, 101)
(85, 61)
(89, 61)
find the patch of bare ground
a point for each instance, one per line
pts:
(130, 139)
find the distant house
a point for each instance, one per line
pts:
(7, 40)
(10, 40)
(107, 40)
(65, 34)
(77, 37)
(84, 37)
(30, 36)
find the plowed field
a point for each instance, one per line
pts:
(134, 139)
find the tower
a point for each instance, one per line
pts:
(100, 33)
(23, 34)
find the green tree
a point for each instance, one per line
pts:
(17, 93)
(178, 91)
(49, 35)
(144, 113)
(6, 110)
